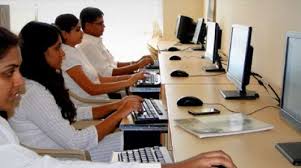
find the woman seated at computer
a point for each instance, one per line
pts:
(45, 113)
(80, 76)
(12, 154)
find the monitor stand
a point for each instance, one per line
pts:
(236, 94)
(218, 67)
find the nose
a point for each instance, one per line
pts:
(62, 53)
(18, 80)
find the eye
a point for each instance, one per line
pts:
(9, 73)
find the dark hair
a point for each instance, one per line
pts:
(8, 40)
(89, 15)
(66, 22)
(36, 38)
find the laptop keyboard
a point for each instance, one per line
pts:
(145, 155)
(152, 112)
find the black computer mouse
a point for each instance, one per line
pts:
(189, 101)
(179, 73)
(172, 49)
(175, 57)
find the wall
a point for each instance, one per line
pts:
(270, 19)
(172, 8)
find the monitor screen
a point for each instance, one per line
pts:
(185, 28)
(211, 26)
(240, 63)
(239, 46)
(291, 87)
(200, 32)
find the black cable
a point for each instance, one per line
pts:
(255, 111)
(260, 82)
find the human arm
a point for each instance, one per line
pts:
(205, 160)
(130, 68)
(110, 123)
(105, 79)
(77, 74)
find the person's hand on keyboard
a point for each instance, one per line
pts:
(130, 104)
(135, 77)
(214, 159)
(145, 60)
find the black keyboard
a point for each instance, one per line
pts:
(152, 80)
(145, 155)
(152, 112)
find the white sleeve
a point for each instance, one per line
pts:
(95, 57)
(14, 156)
(42, 110)
(84, 113)
(71, 60)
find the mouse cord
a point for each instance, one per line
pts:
(252, 112)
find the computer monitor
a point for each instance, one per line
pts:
(200, 33)
(185, 27)
(291, 86)
(214, 37)
(240, 63)
(291, 95)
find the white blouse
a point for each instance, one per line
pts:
(74, 57)
(98, 55)
(40, 117)
(13, 155)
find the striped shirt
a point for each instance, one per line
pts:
(13, 155)
(38, 122)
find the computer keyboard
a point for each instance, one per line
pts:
(152, 112)
(143, 155)
(144, 89)
(152, 80)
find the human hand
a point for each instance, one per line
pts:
(145, 61)
(135, 77)
(131, 104)
(212, 159)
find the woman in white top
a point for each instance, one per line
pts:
(80, 76)
(13, 155)
(46, 111)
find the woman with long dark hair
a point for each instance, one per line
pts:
(46, 110)
(13, 155)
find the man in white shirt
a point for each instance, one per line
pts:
(92, 23)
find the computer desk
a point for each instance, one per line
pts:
(193, 64)
(164, 45)
(253, 150)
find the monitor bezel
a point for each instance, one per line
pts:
(285, 113)
(196, 39)
(211, 57)
(240, 84)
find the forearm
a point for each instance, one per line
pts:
(109, 87)
(121, 64)
(125, 69)
(114, 78)
(108, 125)
(105, 110)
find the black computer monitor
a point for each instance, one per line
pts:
(185, 27)
(240, 63)
(200, 32)
(214, 37)
(291, 95)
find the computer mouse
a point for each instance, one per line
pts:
(189, 101)
(172, 49)
(179, 73)
(175, 57)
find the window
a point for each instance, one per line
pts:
(128, 23)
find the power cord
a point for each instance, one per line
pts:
(263, 83)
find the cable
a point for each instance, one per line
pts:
(255, 111)
(232, 111)
(199, 75)
(262, 82)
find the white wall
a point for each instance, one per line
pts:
(270, 19)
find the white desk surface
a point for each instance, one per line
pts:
(253, 150)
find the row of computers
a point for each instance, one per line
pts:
(239, 71)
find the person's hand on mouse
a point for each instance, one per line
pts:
(212, 159)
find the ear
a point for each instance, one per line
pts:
(65, 35)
